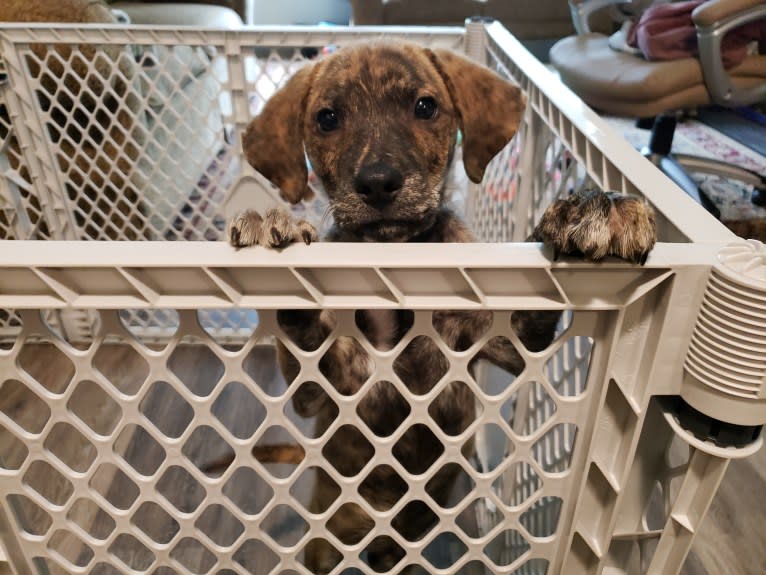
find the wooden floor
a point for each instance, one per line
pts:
(732, 540)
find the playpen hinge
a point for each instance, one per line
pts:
(476, 38)
(723, 395)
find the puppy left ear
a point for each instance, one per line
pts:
(489, 108)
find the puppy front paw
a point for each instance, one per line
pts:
(276, 229)
(597, 224)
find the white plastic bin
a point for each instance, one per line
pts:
(136, 376)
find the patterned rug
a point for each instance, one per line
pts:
(738, 213)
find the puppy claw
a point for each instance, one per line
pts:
(276, 238)
(307, 232)
(234, 237)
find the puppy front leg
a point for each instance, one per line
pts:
(461, 329)
(308, 330)
(590, 224)
(535, 329)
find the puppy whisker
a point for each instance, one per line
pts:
(327, 214)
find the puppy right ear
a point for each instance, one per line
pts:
(273, 141)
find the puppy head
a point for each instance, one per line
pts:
(379, 123)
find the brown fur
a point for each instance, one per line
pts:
(597, 224)
(83, 11)
(373, 91)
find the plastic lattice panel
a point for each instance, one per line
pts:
(559, 176)
(551, 173)
(159, 457)
(492, 210)
(140, 140)
(21, 212)
(143, 146)
(165, 441)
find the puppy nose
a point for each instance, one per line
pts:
(378, 183)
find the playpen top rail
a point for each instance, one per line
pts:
(271, 36)
(416, 276)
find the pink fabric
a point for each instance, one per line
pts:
(667, 32)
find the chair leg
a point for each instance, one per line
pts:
(661, 138)
(676, 172)
(658, 152)
(659, 147)
(645, 123)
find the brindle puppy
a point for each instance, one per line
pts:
(379, 124)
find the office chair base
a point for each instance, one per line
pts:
(658, 152)
(676, 166)
(723, 169)
(676, 172)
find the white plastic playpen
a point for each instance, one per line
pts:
(127, 367)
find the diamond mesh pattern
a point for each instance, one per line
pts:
(146, 463)
(141, 142)
(492, 210)
(21, 213)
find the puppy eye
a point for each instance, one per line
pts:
(327, 120)
(425, 108)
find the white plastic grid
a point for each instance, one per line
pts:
(138, 158)
(21, 216)
(548, 171)
(134, 430)
(548, 441)
(140, 141)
